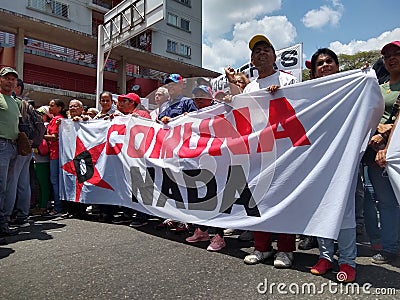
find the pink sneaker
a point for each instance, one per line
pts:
(217, 243)
(198, 236)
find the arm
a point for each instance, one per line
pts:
(380, 158)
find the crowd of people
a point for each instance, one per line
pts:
(376, 205)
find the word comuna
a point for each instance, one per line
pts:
(212, 133)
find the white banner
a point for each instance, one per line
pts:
(393, 161)
(281, 163)
(288, 59)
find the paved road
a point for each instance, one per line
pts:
(75, 259)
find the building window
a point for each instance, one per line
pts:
(185, 24)
(172, 46)
(178, 22)
(60, 9)
(184, 2)
(172, 19)
(185, 50)
(179, 49)
(51, 7)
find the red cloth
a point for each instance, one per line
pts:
(141, 113)
(51, 129)
(262, 242)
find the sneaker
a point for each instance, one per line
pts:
(198, 236)
(283, 260)
(167, 224)
(54, 213)
(257, 257)
(5, 230)
(383, 257)
(346, 273)
(321, 267)
(123, 219)
(308, 243)
(217, 243)
(138, 222)
(21, 223)
(182, 228)
(3, 241)
(246, 236)
(230, 231)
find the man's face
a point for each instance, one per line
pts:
(174, 89)
(75, 109)
(202, 99)
(105, 102)
(160, 98)
(125, 105)
(263, 56)
(391, 58)
(8, 83)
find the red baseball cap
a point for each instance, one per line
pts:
(132, 96)
(394, 43)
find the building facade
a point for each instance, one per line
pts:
(53, 44)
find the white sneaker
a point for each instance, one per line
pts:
(230, 231)
(257, 257)
(283, 260)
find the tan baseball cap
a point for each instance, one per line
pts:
(6, 70)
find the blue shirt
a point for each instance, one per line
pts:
(179, 106)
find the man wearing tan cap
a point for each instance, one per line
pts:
(263, 58)
(9, 117)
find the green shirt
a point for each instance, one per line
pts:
(390, 92)
(9, 117)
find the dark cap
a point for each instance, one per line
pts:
(203, 89)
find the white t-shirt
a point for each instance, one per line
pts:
(278, 78)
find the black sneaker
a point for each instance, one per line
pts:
(3, 241)
(123, 219)
(5, 230)
(20, 223)
(309, 242)
(383, 257)
(137, 222)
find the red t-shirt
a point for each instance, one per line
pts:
(51, 129)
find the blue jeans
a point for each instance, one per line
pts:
(389, 211)
(8, 153)
(19, 188)
(54, 179)
(346, 245)
(371, 211)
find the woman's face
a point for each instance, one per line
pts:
(105, 102)
(391, 59)
(53, 108)
(325, 65)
